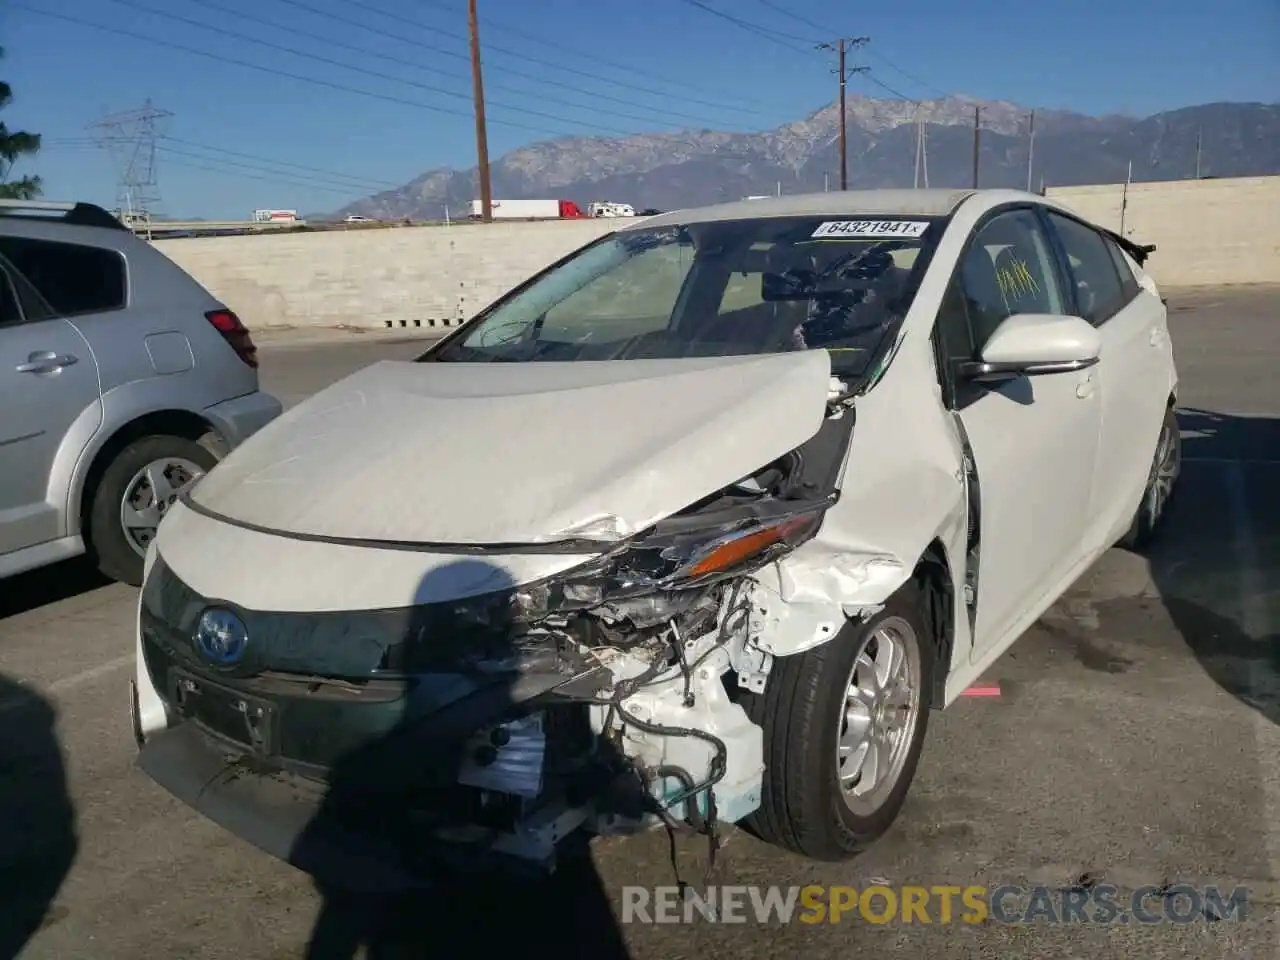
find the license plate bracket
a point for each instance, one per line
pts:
(230, 714)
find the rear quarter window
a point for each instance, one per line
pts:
(73, 278)
(1128, 280)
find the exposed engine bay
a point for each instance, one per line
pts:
(659, 643)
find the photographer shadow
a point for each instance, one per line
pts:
(1216, 563)
(38, 839)
(403, 899)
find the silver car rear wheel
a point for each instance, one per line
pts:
(137, 487)
(149, 494)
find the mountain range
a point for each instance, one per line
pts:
(692, 167)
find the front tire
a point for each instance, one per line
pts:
(136, 490)
(844, 725)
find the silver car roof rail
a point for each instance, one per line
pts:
(73, 214)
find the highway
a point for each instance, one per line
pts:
(1135, 742)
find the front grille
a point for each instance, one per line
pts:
(361, 644)
(302, 700)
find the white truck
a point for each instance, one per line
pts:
(530, 210)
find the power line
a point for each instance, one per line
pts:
(237, 169)
(778, 37)
(294, 51)
(494, 48)
(682, 84)
(792, 14)
(333, 174)
(884, 86)
(267, 178)
(419, 66)
(289, 167)
(777, 8)
(914, 79)
(315, 179)
(272, 71)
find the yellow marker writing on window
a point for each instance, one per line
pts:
(1016, 281)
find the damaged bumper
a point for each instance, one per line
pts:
(285, 815)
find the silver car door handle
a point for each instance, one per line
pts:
(46, 362)
(1084, 388)
(1157, 337)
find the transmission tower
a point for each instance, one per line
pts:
(130, 138)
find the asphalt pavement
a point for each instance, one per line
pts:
(1134, 743)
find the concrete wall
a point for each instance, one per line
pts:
(1208, 232)
(409, 276)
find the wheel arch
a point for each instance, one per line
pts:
(933, 578)
(172, 422)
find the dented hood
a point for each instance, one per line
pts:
(502, 453)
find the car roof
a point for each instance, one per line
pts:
(68, 214)
(921, 203)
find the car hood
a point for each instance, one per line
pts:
(516, 453)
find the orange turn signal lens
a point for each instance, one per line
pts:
(731, 553)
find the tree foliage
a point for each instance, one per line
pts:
(14, 145)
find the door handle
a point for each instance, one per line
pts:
(46, 361)
(1084, 388)
(1157, 337)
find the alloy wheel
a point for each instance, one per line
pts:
(1164, 472)
(881, 710)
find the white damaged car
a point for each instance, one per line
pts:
(695, 526)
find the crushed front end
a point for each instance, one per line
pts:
(489, 729)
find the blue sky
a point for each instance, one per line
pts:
(241, 138)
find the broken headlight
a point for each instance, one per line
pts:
(681, 554)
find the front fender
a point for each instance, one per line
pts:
(903, 490)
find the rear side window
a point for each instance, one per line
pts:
(72, 278)
(1098, 290)
(1128, 282)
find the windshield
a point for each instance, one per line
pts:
(725, 288)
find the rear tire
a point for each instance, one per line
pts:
(1166, 465)
(125, 513)
(805, 710)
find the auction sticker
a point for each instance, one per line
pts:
(872, 229)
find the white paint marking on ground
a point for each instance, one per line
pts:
(1254, 623)
(75, 680)
(88, 676)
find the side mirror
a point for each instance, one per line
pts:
(1035, 344)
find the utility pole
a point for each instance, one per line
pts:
(919, 146)
(924, 152)
(482, 136)
(1199, 137)
(977, 142)
(922, 149)
(1031, 149)
(841, 47)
